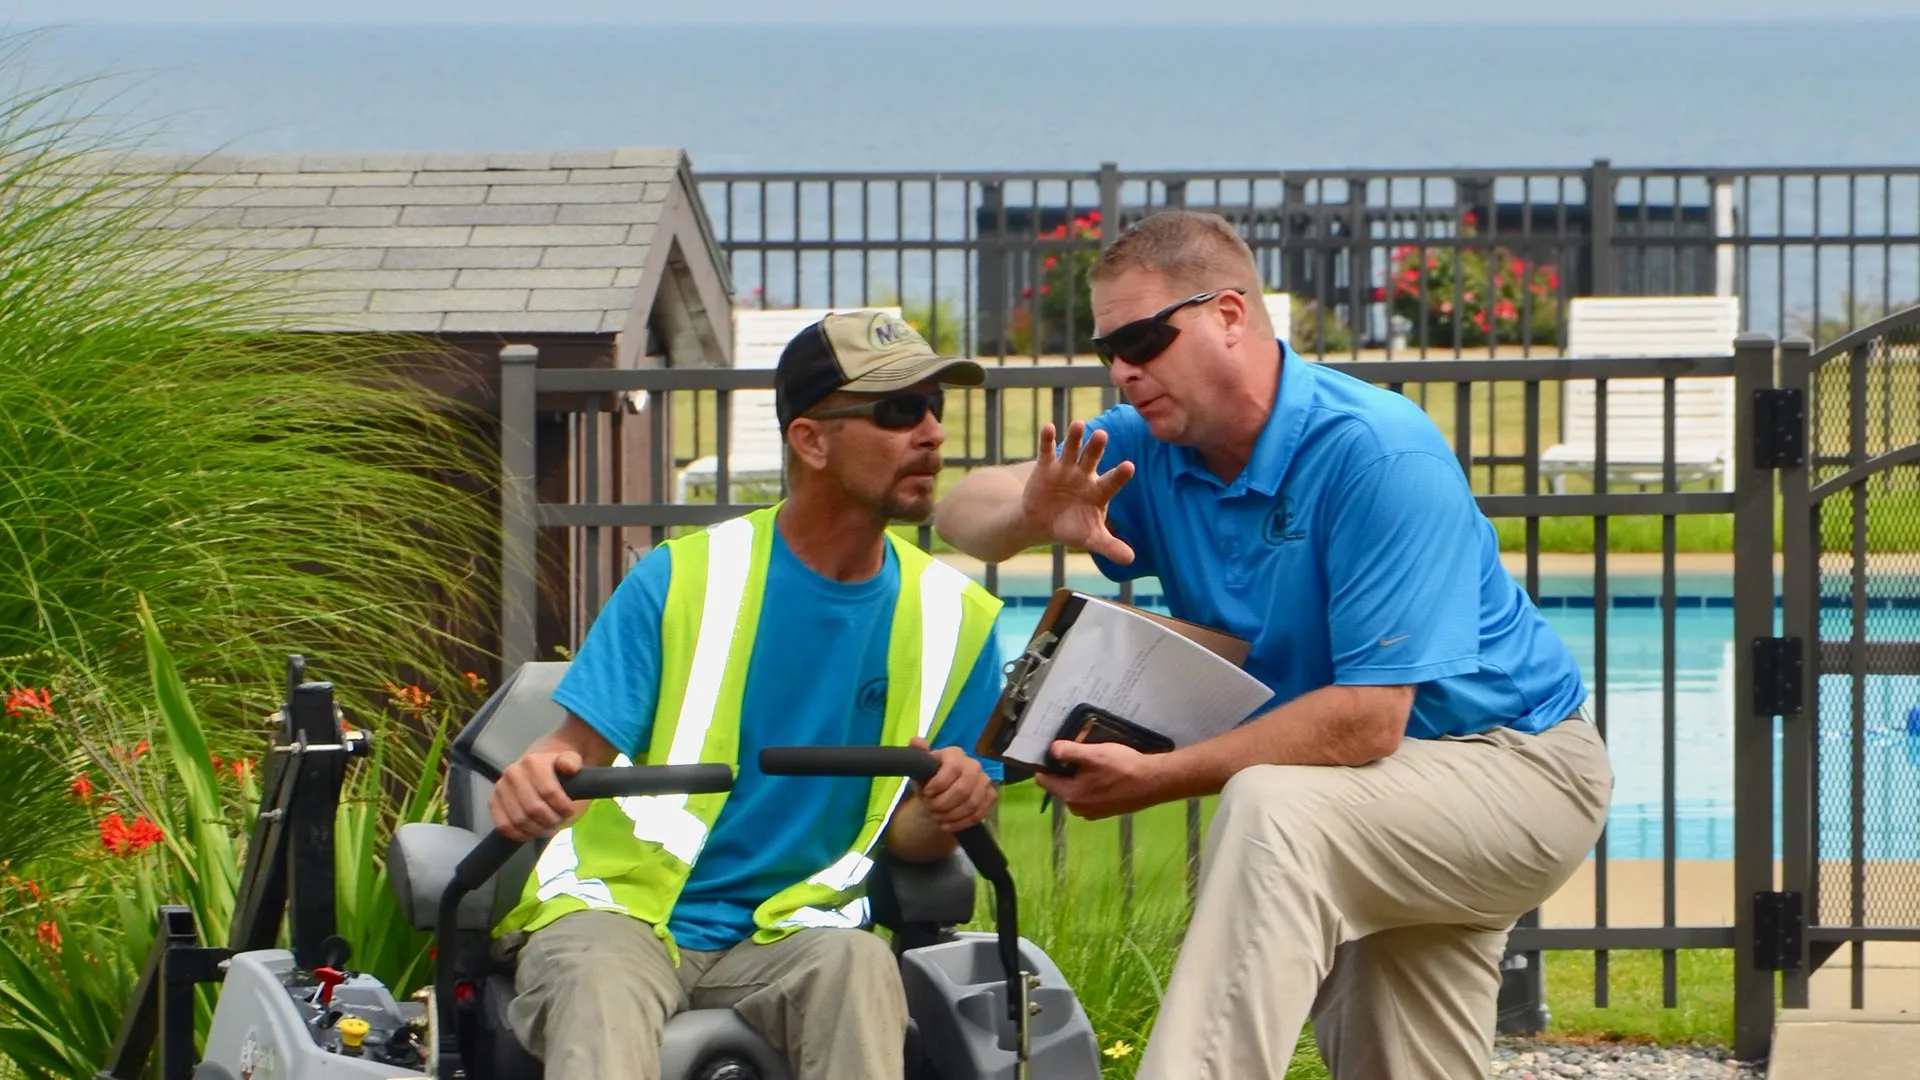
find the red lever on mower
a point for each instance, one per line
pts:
(329, 978)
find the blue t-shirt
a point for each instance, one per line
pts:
(818, 675)
(1349, 551)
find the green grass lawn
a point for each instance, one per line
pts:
(1117, 947)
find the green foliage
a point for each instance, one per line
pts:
(169, 429)
(172, 820)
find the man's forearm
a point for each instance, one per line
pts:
(982, 516)
(914, 836)
(1335, 725)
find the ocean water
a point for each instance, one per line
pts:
(1259, 97)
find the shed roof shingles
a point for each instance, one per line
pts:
(536, 242)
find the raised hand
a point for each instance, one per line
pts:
(1067, 495)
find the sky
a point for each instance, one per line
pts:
(643, 12)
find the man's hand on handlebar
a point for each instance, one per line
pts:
(528, 801)
(960, 794)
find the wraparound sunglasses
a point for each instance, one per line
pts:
(898, 412)
(1143, 339)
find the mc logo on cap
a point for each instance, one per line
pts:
(885, 331)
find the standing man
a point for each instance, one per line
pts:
(1424, 774)
(804, 623)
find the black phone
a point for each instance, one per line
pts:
(1092, 724)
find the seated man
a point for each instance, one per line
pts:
(1424, 773)
(803, 623)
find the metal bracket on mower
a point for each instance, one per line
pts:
(162, 1006)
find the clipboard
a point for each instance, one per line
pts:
(1026, 672)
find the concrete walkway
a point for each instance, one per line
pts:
(1810, 1043)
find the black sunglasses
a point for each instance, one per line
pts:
(898, 412)
(1143, 339)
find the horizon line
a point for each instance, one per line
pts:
(930, 23)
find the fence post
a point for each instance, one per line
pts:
(519, 528)
(1600, 205)
(1800, 618)
(1109, 204)
(1753, 620)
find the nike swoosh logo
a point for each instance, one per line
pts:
(1384, 642)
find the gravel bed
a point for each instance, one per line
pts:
(1526, 1059)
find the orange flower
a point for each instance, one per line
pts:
(22, 702)
(123, 839)
(50, 935)
(411, 698)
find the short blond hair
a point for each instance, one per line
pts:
(1195, 251)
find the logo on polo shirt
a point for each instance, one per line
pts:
(1281, 526)
(873, 696)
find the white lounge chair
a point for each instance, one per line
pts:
(1614, 326)
(756, 454)
(1280, 309)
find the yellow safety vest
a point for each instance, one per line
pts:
(634, 855)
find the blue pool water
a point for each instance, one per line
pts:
(1703, 719)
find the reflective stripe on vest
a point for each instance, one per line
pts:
(665, 819)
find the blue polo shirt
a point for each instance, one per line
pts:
(1349, 551)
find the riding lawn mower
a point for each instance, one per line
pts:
(982, 1006)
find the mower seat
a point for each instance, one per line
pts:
(919, 902)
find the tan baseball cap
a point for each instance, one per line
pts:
(863, 351)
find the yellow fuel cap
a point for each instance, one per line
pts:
(352, 1030)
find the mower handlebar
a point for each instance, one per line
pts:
(594, 782)
(919, 766)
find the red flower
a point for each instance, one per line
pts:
(411, 698)
(123, 839)
(23, 702)
(1505, 310)
(81, 787)
(50, 935)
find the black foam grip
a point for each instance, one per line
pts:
(617, 781)
(910, 762)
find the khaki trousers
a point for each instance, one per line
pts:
(594, 989)
(1375, 901)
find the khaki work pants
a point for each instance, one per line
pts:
(594, 990)
(1375, 902)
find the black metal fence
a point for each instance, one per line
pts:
(1697, 766)
(1402, 262)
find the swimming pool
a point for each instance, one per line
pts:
(1702, 713)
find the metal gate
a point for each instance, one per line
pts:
(1850, 733)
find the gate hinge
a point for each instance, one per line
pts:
(1776, 676)
(1778, 926)
(1779, 428)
